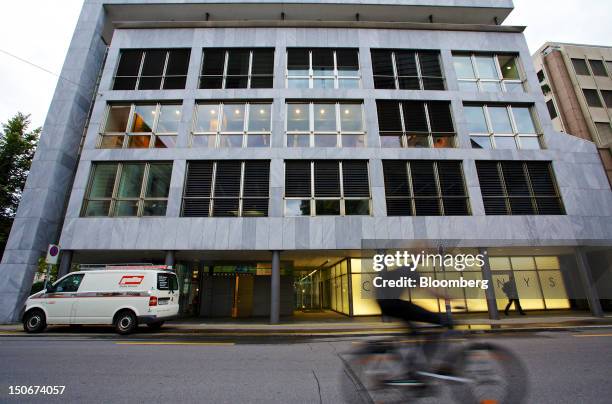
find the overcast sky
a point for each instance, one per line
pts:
(40, 32)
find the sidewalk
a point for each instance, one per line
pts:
(340, 325)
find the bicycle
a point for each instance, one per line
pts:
(477, 372)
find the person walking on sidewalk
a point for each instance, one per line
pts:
(509, 289)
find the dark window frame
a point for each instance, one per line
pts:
(163, 76)
(418, 53)
(508, 198)
(411, 196)
(430, 133)
(224, 76)
(113, 199)
(341, 195)
(212, 196)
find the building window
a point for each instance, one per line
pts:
(598, 68)
(518, 188)
(552, 111)
(592, 98)
(607, 97)
(140, 126)
(425, 188)
(415, 124)
(325, 124)
(128, 189)
(499, 126)
(488, 72)
(604, 132)
(541, 76)
(322, 68)
(152, 69)
(580, 67)
(237, 68)
(232, 125)
(226, 188)
(327, 188)
(407, 70)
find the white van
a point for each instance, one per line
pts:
(122, 296)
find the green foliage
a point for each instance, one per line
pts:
(17, 147)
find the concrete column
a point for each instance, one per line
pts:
(275, 288)
(490, 291)
(584, 271)
(65, 263)
(170, 255)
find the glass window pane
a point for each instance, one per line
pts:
(357, 207)
(353, 140)
(529, 142)
(490, 86)
(468, 86)
(443, 141)
(500, 120)
(138, 141)
(298, 83)
(259, 118)
(476, 119)
(323, 83)
(238, 62)
(236, 81)
(294, 207)
(261, 81)
(348, 83)
(417, 140)
(298, 62)
(598, 68)
(509, 67)
(592, 98)
(214, 61)
(230, 140)
(258, 140)
(405, 62)
(124, 83)
(463, 67)
(149, 83)
(211, 82)
(480, 142)
(505, 142)
(111, 142)
(387, 140)
(523, 120)
(298, 140)
(169, 119)
(178, 62)
(203, 141)
(512, 87)
(126, 208)
(581, 67)
(131, 181)
(325, 140)
(144, 117)
(348, 62)
(323, 62)
(207, 118)
(351, 119)
(97, 208)
(297, 117)
(233, 118)
(117, 119)
(154, 208)
(165, 142)
(129, 63)
(158, 183)
(174, 82)
(486, 67)
(327, 207)
(325, 117)
(154, 62)
(263, 61)
(103, 181)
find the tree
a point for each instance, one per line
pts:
(17, 147)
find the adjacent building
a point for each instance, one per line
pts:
(577, 84)
(266, 149)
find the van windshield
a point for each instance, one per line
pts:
(167, 282)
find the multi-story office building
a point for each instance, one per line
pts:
(577, 84)
(263, 148)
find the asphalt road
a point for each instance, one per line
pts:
(563, 367)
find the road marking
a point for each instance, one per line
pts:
(592, 335)
(174, 343)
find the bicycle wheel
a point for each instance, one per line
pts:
(493, 375)
(365, 373)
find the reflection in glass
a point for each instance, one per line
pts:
(480, 142)
(296, 207)
(523, 119)
(486, 67)
(500, 120)
(207, 118)
(144, 117)
(169, 119)
(463, 67)
(476, 119)
(117, 119)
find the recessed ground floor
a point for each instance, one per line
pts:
(245, 284)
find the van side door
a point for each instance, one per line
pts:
(60, 301)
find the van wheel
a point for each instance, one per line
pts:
(125, 322)
(155, 326)
(34, 321)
